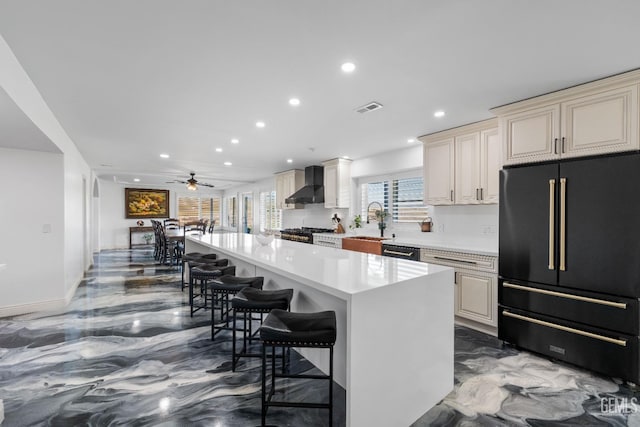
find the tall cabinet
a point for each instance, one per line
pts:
(337, 183)
(287, 183)
(461, 165)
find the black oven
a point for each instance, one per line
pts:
(404, 252)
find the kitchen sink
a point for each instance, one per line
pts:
(366, 244)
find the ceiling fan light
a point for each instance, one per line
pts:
(192, 186)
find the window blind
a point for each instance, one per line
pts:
(402, 198)
(270, 218)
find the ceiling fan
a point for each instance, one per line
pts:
(192, 183)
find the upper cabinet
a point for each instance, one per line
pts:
(595, 118)
(337, 183)
(288, 183)
(461, 165)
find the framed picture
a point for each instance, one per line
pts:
(141, 203)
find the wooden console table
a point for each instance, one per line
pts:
(138, 230)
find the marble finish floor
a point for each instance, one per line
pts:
(126, 352)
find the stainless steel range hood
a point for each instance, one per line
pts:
(313, 190)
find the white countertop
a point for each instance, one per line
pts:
(474, 245)
(341, 273)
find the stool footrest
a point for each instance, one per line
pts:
(306, 376)
(298, 404)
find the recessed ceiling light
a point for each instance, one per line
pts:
(410, 141)
(294, 101)
(260, 124)
(438, 114)
(235, 141)
(289, 160)
(136, 179)
(348, 67)
(228, 163)
(164, 156)
(218, 150)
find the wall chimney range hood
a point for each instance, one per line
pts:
(313, 190)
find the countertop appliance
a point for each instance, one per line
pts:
(313, 190)
(569, 278)
(304, 234)
(404, 252)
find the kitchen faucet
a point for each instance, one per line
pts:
(381, 225)
(369, 207)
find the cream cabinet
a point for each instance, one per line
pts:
(476, 286)
(597, 118)
(461, 165)
(288, 183)
(439, 172)
(337, 183)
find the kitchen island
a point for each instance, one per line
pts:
(394, 349)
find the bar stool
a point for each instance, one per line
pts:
(285, 329)
(221, 288)
(252, 300)
(203, 272)
(194, 257)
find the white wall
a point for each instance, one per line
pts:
(76, 203)
(114, 227)
(32, 236)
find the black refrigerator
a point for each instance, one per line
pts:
(569, 267)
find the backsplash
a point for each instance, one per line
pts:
(472, 221)
(477, 222)
(315, 215)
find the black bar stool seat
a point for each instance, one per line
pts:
(203, 273)
(252, 300)
(285, 329)
(192, 257)
(223, 286)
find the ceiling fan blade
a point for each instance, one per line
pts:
(204, 184)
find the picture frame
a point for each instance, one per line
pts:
(146, 203)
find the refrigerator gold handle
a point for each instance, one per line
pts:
(563, 223)
(622, 343)
(614, 304)
(552, 224)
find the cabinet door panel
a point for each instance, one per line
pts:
(601, 123)
(531, 135)
(490, 164)
(330, 186)
(476, 296)
(439, 172)
(467, 169)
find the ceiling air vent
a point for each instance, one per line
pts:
(369, 107)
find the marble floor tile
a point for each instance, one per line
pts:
(126, 352)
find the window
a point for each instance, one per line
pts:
(195, 208)
(401, 197)
(232, 212)
(270, 218)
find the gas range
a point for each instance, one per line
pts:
(303, 235)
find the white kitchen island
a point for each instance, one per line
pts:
(394, 348)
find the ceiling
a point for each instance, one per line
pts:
(129, 80)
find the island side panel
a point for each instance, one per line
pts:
(401, 350)
(306, 300)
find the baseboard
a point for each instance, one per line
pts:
(489, 330)
(33, 307)
(15, 310)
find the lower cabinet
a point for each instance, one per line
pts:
(476, 286)
(476, 296)
(327, 240)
